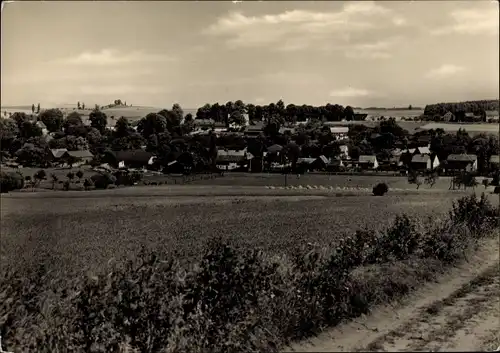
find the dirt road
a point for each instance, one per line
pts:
(461, 312)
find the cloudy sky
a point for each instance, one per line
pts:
(158, 53)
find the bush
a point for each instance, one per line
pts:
(380, 189)
(10, 181)
(233, 299)
(102, 181)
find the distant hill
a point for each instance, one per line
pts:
(394, 108)
(468, 107)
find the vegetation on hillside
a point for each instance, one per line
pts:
(234, 299)
(459, 109)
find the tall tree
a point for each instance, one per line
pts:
(98, 120)
(53, 119)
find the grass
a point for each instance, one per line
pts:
(235, 297)
(86, 232)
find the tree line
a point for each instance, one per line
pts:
(461, 108)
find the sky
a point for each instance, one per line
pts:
(357, 53)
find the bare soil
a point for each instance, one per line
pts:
(460, 312)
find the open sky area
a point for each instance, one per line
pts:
(157, 53)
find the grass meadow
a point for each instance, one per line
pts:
(83, 230)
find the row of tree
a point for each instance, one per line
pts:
(233, 112)
(477, 107)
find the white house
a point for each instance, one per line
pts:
(344, 152)
(368, 162)
(340, 132)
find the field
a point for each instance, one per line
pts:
(77, 236)
(473, 129)
(83, 230)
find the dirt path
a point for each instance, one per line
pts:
(461, 312)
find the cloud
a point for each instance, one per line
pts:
(107, 57)
(300, 29)
(445, 70)
(471, 21)
(349, 92)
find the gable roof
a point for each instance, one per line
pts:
(495, 159)
(367, 159)
(231, 156)
(41, 125)
(462, 158)
(305, 160)
(80, 154)
(274, 148)
(339, 129)
(58, 152)
(323, 159)
(424, 150)
(420, 158)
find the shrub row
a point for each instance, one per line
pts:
(233, 299)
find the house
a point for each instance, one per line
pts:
(360, 116)
(77, 157)
(255, 129)
(335, 165)
(57, 153)
(448, 117)
(368, 162)
(339, 132)
(460, 162)
(424, 162)
(203, 124)
(232, 159)
(43, 127)
(274, 149)
(344, 152)
(133, 159)
(494, 162)
(284, 130)
(423, 150)
(321, 163)
(305, 164)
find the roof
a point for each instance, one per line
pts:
(80, 154)
(462, 158)
(339, 129)
(495, 159)
(336, 163)
(223, 152)
(133, 156)
(203, 122)
(323, 159)
(41, 125)
(424, 150)
(274, 148)
(58, 152)
(305, 160)
(231, 156)
(259, 126)
(285, 129)
(367, 159)
(420, 158)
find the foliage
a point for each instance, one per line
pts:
(469, 106)
(53, 119)
(103, 180)
(380, 189)
(79, 174)
(98, 120)
(10, 181)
